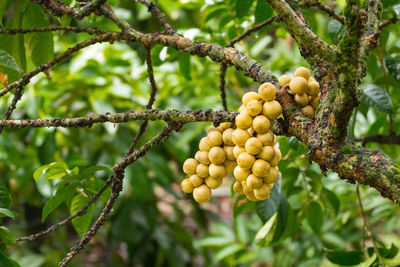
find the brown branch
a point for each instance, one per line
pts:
(90, 30)
(11, 108)
(387, 22)
(68, 219)
(323, 7)
(152, 98)
(156, 12)
(381, 139)
(119, 170)
(222, 85)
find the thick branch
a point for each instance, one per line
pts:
(58, 8)
(156, 12)
(90, 30)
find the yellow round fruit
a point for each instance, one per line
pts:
(202, 170)
(195, 180)
(302, 72)
(278, 152)
(241, 174)
(271, 185)
(254, 107)
(242, 108)
(224, 126)
(238, 188)
(249, 193)
(313, 88)
(216, 171)
(229, 165)
(217, 155)
(261, 124)
(251, 131)
(267, 153)
(204, 144)
(203, 158)
(302, 100)
(253, 182)
(261, 168)
(267, 91)
(240, 136)
(267, 139)
(284, 79)
(262, 193)
(314, 102)
(214, 138)
(186, 186)
(245, 160)
(253, 146)
(202, 193)
(247, 97)
(298, 85)
(273, 176)
(272, 109)
(227, 137)
(229, 152)
(274, 162)
(308, 111)
(237, 150)
(189, 166)
(243, 120)
(213, 183)
(197, 156)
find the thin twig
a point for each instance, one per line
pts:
(387, 22)
(222, 85)
(323, 7)
(156, 12)
(90, 30)
(68, 219)
(11, 108)
(152, 98)
(392, 139)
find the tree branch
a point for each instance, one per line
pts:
(157, 13)
(58, 8)
(381, 139)
(321, 6)
(222, 72)
(90, 30)
(11, 108)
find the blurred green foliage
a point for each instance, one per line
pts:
(47, 174)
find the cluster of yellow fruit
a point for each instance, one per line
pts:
(256, 155)
(211, 164)
(245, 148)
(304, 88)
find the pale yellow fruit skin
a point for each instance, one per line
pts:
(189, 166)
(273, 176)
(202, 170)
(271, 185)
(224, 125)
(250, 131)
(298, 85)
(217, 155)
(266, 139)
(313, 88)
(284, 79)
(202, 193)
(227, 137)
(237, 150)
(272, 109)
(274, 162)
(242, 108)
(214, 138)
(254, 107)
(243, 120)
(261, 168)
(302, 100)
(204, 144)
(253, 182)
(229, 165)
(262, 193)
(241, 174)
(308, 111)
(186, 186)
(261, 124)
(278, 152)
(203, 158)
(240, 136)
(314, 102)
(267, 153)
(213, 183)
(197, 156)
(245, 160)
(195, 180)
(216, 171)
(248, 192)
(267, 91)
(253, 146)
(229, 152)
(249, 96)
(238, 188)
(302, 72)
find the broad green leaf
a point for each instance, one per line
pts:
(396, 11)
(92, 170)
(331, 198)
(344, 258)
(243, 207)
(241, 232)
(242, 7)
(5, 201)
(81, 223)
(228, 251)
(393, 66)
(6, 213)
(94, 184)
(214, 13)
(377, 98)
(184, 65)
(265, 235)
(7, 262)
(7, 62)
(3, 6)
(6, 236)
(266, 208)
(262, 12)
(335, 30)
(53, 170)
(215, 241)
(315, 215)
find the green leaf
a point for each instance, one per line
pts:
(7, 62)
(39, 44)
(262, 12)
(3, 6)
(214, 13)
(5, 201)
(266, 208)
(53, 170)
(94, 184)
(228, 251)
(6, 261)
(335, 30)
(6, 236)
(396, 11)
(393, 66)
(6, 213)
(331, 198)
(315, 215)
(242, 7)
(215, 241)
(243, 207)
(344, 258)
(265, 235)
(81, 223)
(92, 170)
(184, 65)
(377, 98)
